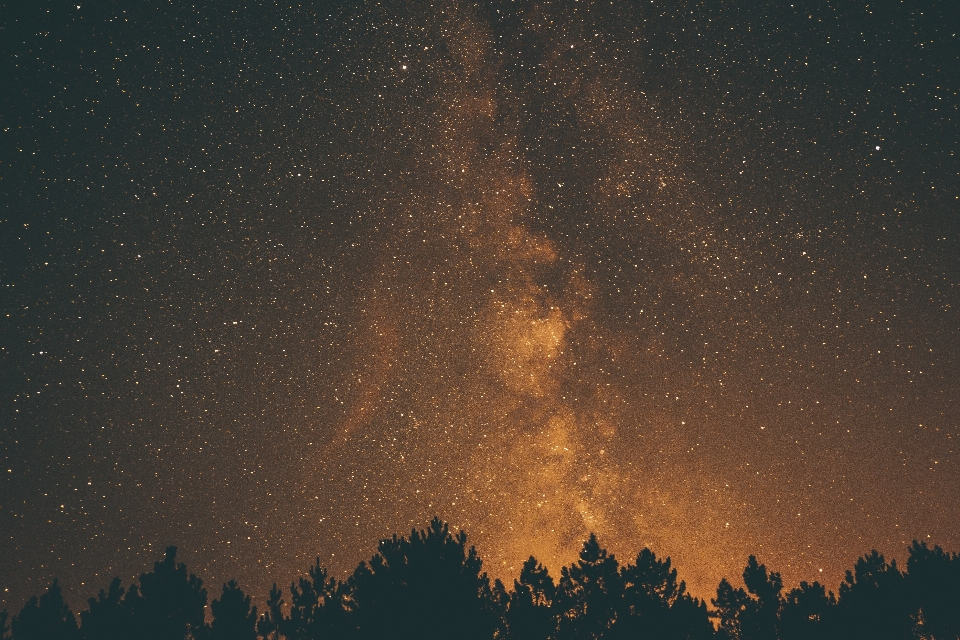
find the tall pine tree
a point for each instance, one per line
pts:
(530, 613)
(169, 605)
(429, 585)
(589, 594)
(46, 618)
(233, 617)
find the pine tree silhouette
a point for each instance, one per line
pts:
(169, 605)
(316, 607)
(752, 614)
(530, 613)
(656, 605)
(108, 617)
(233, 617)
(729, 606)
(589, 594)
(808, 612)
(430, 585)
(48, 618)
(759, 618)
(690, 619)
(495, 601)
(273, 619)
(934, 578)
(425, 586)
(875, 601)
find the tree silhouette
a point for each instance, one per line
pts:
(272, 620)
(729, 606)
(3, 623)
(589, 593)
(430, 585)
(934, 578)
(425, 586)
(875, 602)
(48, 618)
(752, 614)
(169, 605)
(495, 601)
(808, 612)
(656, 605)
(316, 607)
(530, 614)
(233, 617)
(690, 619)
(759, 618)
(108, 617)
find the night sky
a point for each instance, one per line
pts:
(279, 281)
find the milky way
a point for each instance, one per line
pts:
(279, 282)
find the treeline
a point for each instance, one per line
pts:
(431, 585)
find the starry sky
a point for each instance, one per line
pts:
(279, 280)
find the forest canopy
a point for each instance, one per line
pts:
(431, 584)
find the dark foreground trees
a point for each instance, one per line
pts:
(46, 618)
(876, 601)
(168, 604)
(233, 616)
(530, 610)
(933, 579)
(431, 584)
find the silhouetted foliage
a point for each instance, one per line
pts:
(271, 621)
(759, 618)
(761, 613)
(169, 604)
(430, 585)
(48, 618)
(316, 608)
(655, 605)
(425, 586)
(875, 602)
(233, 617)
(934, 577)
(690, 619)
(496, 600)
(589, 594)
(108, 617)
(729, 606)
(808, 612)
(4, 627)
(530, 611)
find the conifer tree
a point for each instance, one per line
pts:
(495, 601)
(233, 617)
(759, 619)
(808, 612)
(273, 619)
(316, 607)
(169, 604)
(426, 586)
(530, 613)
(752, 614)
(874, 601)
(934, 578)
(689, 620)
(589, 594)
(729, 606)
(108, 617)
(656, 605)
(46, 618)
